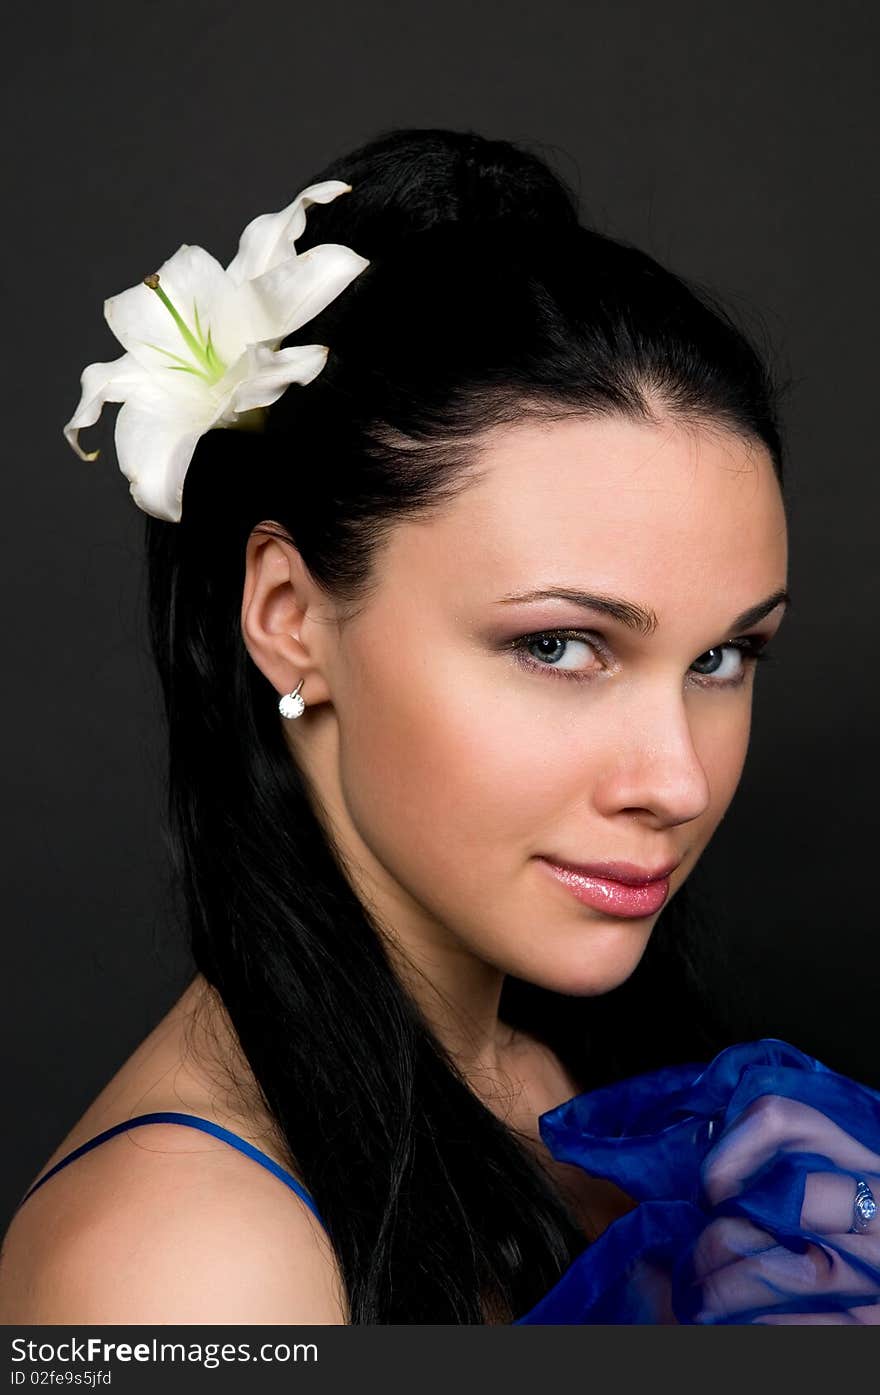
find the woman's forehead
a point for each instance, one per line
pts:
(606, 500)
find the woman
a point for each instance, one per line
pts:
(508, 562)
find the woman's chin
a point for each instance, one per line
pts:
(593, 969)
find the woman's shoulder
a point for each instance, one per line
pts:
(163, 1235)
(164, 1223)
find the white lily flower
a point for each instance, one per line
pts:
(202, 346)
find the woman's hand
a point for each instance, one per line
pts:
(784, 1166)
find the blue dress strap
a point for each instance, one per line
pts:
(195, 1121)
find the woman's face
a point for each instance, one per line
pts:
(472, 735)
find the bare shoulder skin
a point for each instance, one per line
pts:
(169, 1225)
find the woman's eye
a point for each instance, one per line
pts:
(724, 666)
(744, 654)
(552, 650)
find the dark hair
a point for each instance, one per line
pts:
(486, 302)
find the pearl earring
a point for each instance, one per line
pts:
(291, 704)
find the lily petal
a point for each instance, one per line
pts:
(190, 278)
(202, 343)
(270, 371)
(297, 289)
(100, 383)
(154, 448)
(268, 239)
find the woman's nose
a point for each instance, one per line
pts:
(655, 767)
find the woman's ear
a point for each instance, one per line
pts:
(284, 617)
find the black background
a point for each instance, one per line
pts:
(738, 144)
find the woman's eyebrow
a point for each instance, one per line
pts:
(634, 616)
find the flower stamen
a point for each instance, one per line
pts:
(202, 349)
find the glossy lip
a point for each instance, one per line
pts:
(632, 899)
(626, 872)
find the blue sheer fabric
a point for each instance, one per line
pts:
(745, 1171)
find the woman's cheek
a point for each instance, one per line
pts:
(723, 748)
(447, 782)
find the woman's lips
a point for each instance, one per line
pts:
(613, 897)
